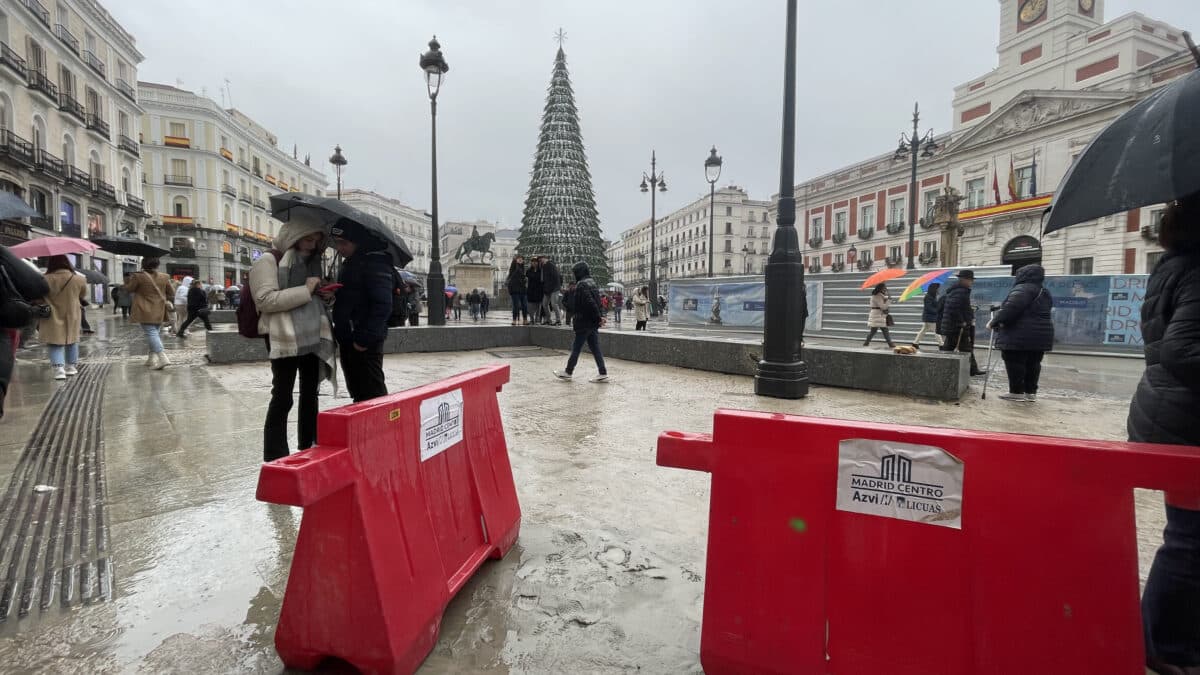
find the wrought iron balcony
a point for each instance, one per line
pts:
(170, 179)
(183, 252)
(258, 172)
(40, 83)
(71, 105)
(242, 163)
(15, 149)
(104, 191)
(128, 145)
(893, 260)
(13, 60)
(839, 237)
(125, 88)
(864, 264)
(80, 179)
(97, 124)
(866, 233)
(926, 222)
(815, 241)
(244, 197)
(227, 256)
(38, 10)
(814, 268)
(895, 228)
(1150, 233)
(135, 204)
(928, 257)
(260, 204)
(95, 63)
(837, 267)
(65, 36)
(50, 165)
(229, 190)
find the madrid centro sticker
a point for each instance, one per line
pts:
(920, 483)
(441, 423)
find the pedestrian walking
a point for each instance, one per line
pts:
(618, 305)
(233, 297)
(20, 287)
(929, 315)
(534, 291)
(956, 319)
(1164, 410)
(552, 286)
(363, 304)
(60, 331)
(457, 302)
(879, 318)
(473, 302)
(124, 300)
(517, 283)
(151, 292)
(293, 315)
(114, 292)
(181, 293)
(1024, 332)
(197, 308)
(414, 304)
(588, 320)
(641, 308)
(484, 303)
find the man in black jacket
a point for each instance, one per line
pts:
(20, 284)
(956, 323)
(551, 287)
(362, 308)
(588, 320)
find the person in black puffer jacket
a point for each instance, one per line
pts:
(1164, 410)
(929, 315)
(1024, 332)
(956, 319)
(517, 285)
(588, 319)
(362, 308)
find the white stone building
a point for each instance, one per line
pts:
(208, 176)
(1063, 75)
(69, 117)
(740, 242)
(615, 253)
(412, 224)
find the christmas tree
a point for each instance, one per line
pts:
(560, 219)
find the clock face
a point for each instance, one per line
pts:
(1032, 10)
(1086, 6)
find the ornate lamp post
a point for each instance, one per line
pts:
(338, 160)
(912, 146)
(648, 185)
(435, 68)
(781, 372)
(712, 172)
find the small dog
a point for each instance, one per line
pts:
(905, 349)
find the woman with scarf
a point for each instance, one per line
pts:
(295, 320)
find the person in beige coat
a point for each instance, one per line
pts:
(60, 332)
(641, 308)
(877, 320)
(151, 290)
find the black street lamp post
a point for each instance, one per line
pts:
(435, 68)
(712, 173)
(912, 146)
(782, 373)
(648, 185)
(338, 160)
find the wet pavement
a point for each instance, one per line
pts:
(607, 575)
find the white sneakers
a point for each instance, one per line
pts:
(60, 373)
(161, 361)
(564, 375)
(150, 360)
(71, 369)
(599, 379)
(1019, 398)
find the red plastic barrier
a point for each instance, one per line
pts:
(1041, 576)
(398, 514)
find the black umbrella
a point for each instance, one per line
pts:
(130, 246)
(325, 211)
(11, 206)
(1149, 155)
(93, 277)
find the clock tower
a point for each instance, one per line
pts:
(1026, 24)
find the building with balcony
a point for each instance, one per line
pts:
(1063, 75)
(206, 183)
(411, 223)
(615, 253)
(741, 240)
(65, 112)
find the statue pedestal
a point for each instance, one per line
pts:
(469, 276)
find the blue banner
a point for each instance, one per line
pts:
(729, 304)
(1089, 310)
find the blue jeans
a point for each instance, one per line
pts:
(56, 354)
(592, 338)
(520, 306)
(152, 337)
(1171, 601)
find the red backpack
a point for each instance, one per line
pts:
(247, 311)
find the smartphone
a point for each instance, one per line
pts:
(329, 289)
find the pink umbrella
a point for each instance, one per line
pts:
(48, 246)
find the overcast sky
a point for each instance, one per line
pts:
(677, 77)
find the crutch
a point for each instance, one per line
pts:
(991, 345)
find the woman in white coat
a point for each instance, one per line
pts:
(879, 318)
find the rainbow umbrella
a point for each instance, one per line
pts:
(882, 276)
(923, 282)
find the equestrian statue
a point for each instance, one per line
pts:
(476, 243)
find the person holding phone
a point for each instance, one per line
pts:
(362, 308)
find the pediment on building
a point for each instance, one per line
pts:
(1037, 108)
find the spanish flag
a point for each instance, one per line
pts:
(995, 181)
(1012, 180)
